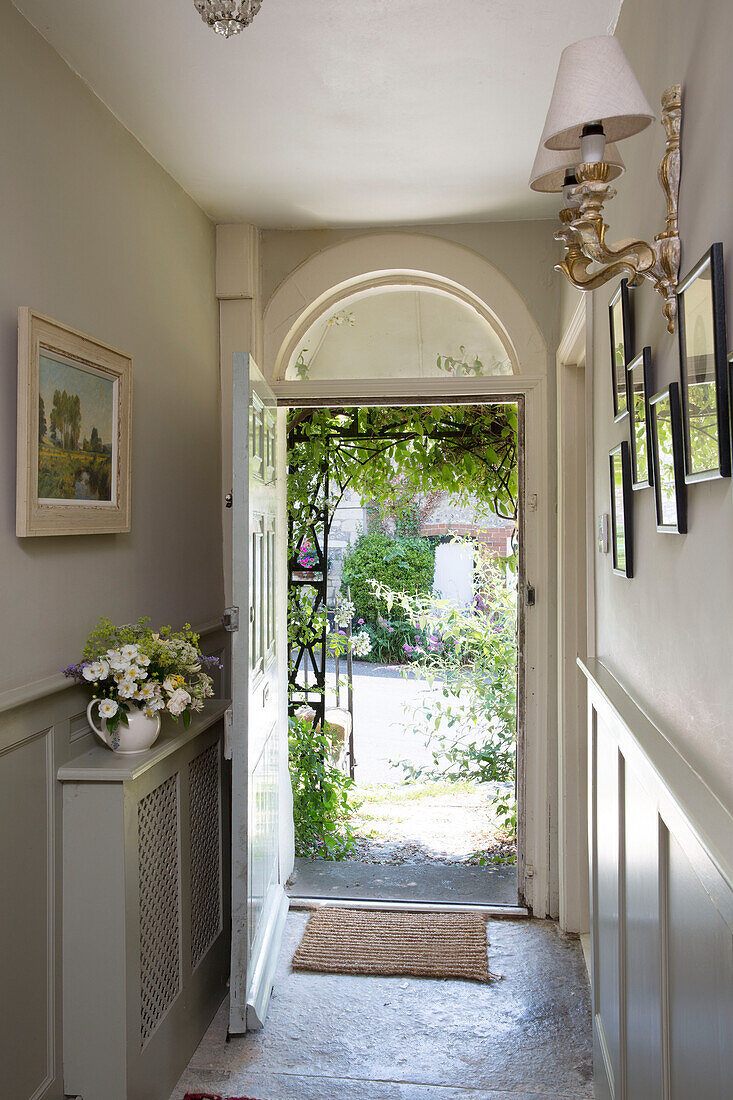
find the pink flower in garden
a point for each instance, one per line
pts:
(307, 556)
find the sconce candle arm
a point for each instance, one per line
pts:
(583, 230)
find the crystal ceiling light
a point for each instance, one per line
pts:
(227, 17)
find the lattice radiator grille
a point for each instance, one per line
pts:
(206, 901)
(160, 917)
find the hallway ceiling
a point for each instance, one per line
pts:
(333, 112)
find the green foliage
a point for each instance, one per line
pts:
(388, 638)
(388, 456)
(407, 564)
(471, 655)
(66, 418)
(321, 807)
(107, 635)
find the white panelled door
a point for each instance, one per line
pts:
(259, 902)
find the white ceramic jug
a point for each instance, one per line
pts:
(137, 736)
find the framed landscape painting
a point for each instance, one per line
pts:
(74, 403)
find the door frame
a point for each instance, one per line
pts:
(575, 609)
(536, 748)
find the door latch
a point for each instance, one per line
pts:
(531, 595)
(229, 500)
(230, 619)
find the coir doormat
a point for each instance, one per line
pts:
(422, 945)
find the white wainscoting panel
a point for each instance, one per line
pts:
(661, 858)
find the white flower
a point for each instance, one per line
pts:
(129, 652)
(142, 660)
(361, 644)
(97, 670)
(151, 711)
(344, 613)
(152, 696)
(108, 708)
(172, 683)
(127, 689)
(134, 672)
(116, 661)
(178, 701)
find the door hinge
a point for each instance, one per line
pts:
(230, 619)
(531, 595)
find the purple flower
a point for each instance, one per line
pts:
(76, 672)
(359, 622)
(408, 648)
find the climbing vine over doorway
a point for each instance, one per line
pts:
(387, 456)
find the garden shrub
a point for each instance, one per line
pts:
(388, 638)
(321, 806)
(404, 564)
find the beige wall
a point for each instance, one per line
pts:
(667, 633)
(96, 234)
(525, 251)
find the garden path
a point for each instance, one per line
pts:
(425, 822)
(382, 731)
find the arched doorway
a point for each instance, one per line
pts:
(363, 269)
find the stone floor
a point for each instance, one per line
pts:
(467, 884)
(332, 1037)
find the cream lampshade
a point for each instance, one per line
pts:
(594, 84)
(550, 166)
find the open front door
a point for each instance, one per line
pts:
(259, 902)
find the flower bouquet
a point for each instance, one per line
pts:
(137, 674)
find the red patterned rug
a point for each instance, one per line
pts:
(213, 1096)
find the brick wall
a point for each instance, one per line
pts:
(494, 537)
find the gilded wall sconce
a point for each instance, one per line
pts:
(598, 100)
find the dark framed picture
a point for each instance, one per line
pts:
(621, 347)
(665, 442)
(622, 541)
(638, 390)
(704, 371)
